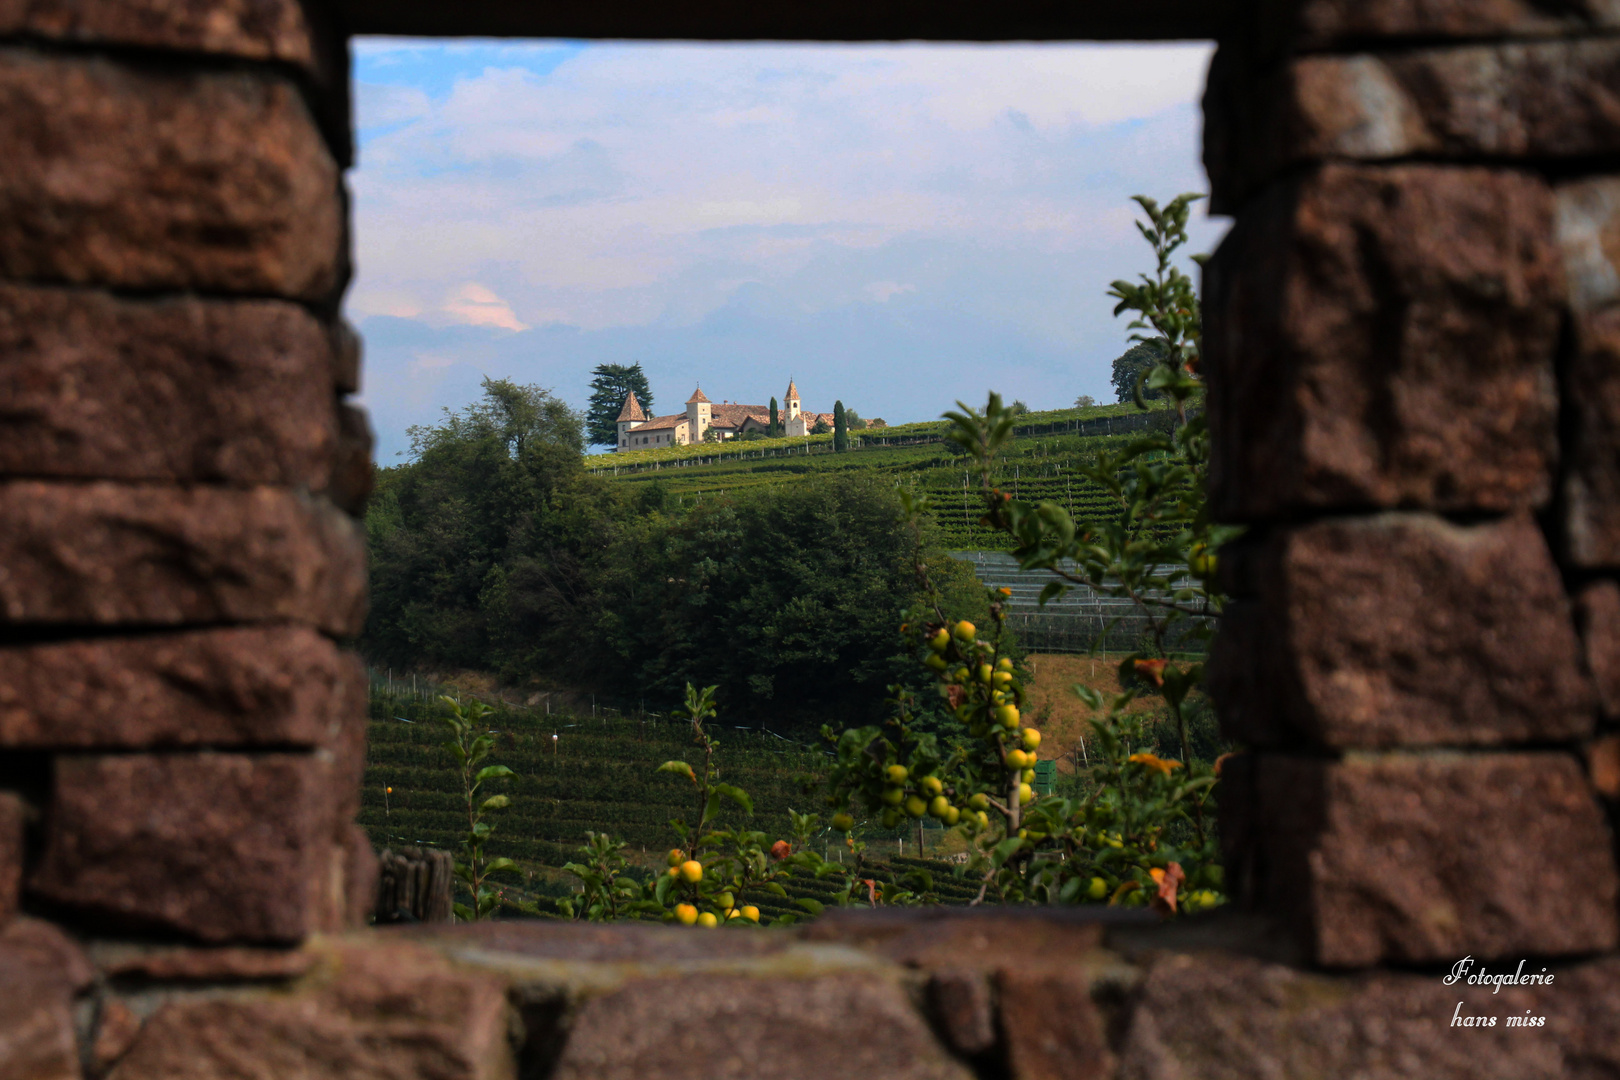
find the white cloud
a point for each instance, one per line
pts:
(476, 305)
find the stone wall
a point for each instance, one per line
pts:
(1413, 353)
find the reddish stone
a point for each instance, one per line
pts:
(11, 854)
(1592, 479)
(960, 1002)
(1429, 859)
(353, 473)
(725, 1027)
(220, 847)
(116, 1029)
(1400, 630)
(1052, 1029)
(44, 947)
(1589, 242)
(251, 29)
(1598, 611)
(1544, 100)
(1384, 337)
(231, 963)
(950, 938)
(1603, 766)
(109, 554)
(217, 181)
(1209, 1015)
(232, 686)
(346, 356)
(1320, 23)
(37, 1038)
(110, 388)
(377, 1010)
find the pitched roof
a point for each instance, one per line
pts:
(793, 392)
(632, 410)
(662, 423)
(732, 416)
(697, 395)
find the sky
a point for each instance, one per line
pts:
(897, 227)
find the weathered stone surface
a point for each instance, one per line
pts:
(1426, 859)
(215, 181)
(1543, 100)
(111, 554)
(346, 358)
(1400, 630)
(978, 940)
(183, 390)
(1319, 23)
(966, 1017)
(233, 686)
(353, 474)
(374, 1011)
(116, 1030)
(1592, 479)
(1052, 1029)
(222, 964)
(1384, 337)
(220, 847)
(43, 946)
(1589, 242)
(1598, 610)
(724, 1027)
(1219, 1016)
(252, 29)
(11, 854)
(37, 1040)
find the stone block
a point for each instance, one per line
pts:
(219, 847)
(1400, 630)
(1052, 1029)
(11, 854)
(1219, 1016)
(1381, 338)
(353, 474)
(249, 29)
(372, 1010)
(346, 357)
(1598, 610)
(138, 178)
(1546, 100)
(1317, 24)
(176, 390)
(37, 1036)
(133, 961)
(107, 554)
(1426, 859)
(272, 686)
(963, 1010)
(1591, 485)
(726, 1027)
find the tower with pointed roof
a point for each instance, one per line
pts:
(698, 414)
(793, 423)
(629, 416)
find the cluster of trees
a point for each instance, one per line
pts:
(493, 549)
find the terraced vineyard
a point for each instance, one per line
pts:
(1034, 467)
(596, 775)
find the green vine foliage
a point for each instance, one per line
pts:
(471, 745)
(1139, 834)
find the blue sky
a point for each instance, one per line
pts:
(894, 226)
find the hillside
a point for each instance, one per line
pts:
(599, 775)
(1039, 464)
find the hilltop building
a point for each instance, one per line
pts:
(638, 431)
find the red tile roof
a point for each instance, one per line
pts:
(697, 395)
(632, 410)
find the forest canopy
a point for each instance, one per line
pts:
(494, 550)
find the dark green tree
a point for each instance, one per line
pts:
(775, 430)
(1132, 367)
(613, 383)
(840, 428)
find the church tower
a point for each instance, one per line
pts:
(793, 423)
(630, 417)
(697, 415)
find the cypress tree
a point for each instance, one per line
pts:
(840, 428)
(775, 430)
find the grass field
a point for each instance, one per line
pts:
(1038, 465)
